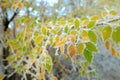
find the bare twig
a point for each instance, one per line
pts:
(109, 21)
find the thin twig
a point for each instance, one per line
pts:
(109, 21)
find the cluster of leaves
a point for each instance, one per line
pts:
(14, 4)
(70, 38)
(110, 31)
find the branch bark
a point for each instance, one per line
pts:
(6, 22)
(5, 49)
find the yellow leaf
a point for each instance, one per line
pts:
(38, 70)
(106, 32)
(36, 33)
(27, 43)
(95, 17)
(84, 33)
(84, 39)
(15, 2)
(57, 39)
(80, 47)
(62, 48)
(47, 53)
(51, 71)
(74, 32)
(107, 44)
(40, 76)
(104, 14)
(20, 5)
(63, 41)
(118, 54)
(32, 60)
(39, 39)
(40, 64)
(46, 22)
(62, 79)
(113, 51)
(38, 49)
(42, 70)
(28, 30)
(2, 77)
(72, 38)
(54, 78)
(59, 42)
(17, 55)
(68, 71)
(64, 55)
(105, 35)
(72, 50)
(85, 22)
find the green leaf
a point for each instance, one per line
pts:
(48, 67)
(83, 73)
(91, 24)
(11, 58)
(77, 23)
(66, 29)
(48, 63)
(60, 19)
(54, 31)
(20, 68)
(18, 55)
(91, 47)
(62, 22)
(39, 21)
(14, 65)
(84, 18)
(51, 41)
(32, 26)
(92, 36)
(88, 55)
(115, 35)
(44, 30)
(113, 12)
(106, 32)
(24, 48)
(71, 20)
(93, 73)
(100, 28)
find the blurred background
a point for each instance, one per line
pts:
(47, 9)
(107, 66)
(52, 9)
